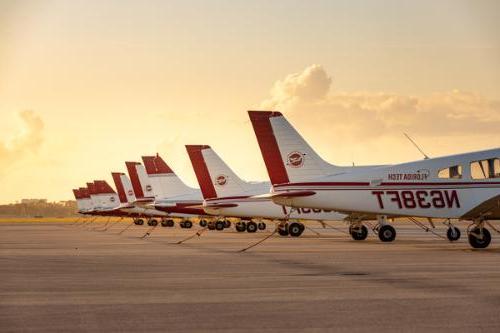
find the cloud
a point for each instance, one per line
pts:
(309, 98)
(27, 142)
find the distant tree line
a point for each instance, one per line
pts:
(40, 208)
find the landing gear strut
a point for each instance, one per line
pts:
(479, 236)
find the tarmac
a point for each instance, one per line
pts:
(57, 277)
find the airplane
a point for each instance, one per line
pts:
(225, 194)
(173, 196)
(463, 186)
(128, 202)
(83, 202)
(161, 189)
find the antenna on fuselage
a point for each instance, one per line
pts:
(416, 146)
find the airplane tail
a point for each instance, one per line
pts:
(165, 182)
(141, 183)
(79, 199)
(287, 156)
(106, 196)
(123, 187)
(85, 200)
(214, 176)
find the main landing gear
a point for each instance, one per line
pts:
(479, 236)
(167, 223)
(152, 222)
(294, 229)
(249, 226)
(186, 224)
(386, 232)
(138, 221)
(358, 232)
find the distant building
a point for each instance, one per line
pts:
(34, 201)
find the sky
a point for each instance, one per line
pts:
(87, 85)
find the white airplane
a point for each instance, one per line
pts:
(225, 194)
(165, 191)
(464, 186)
(128, 203)
(174, 196)
(83, 201)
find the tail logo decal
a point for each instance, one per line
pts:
(149, 188)
(295, 159)
(112, 199)
(221, 180)
(130, 192)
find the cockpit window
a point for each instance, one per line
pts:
(453, 172)
(485, 169)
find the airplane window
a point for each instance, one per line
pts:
(453, 172)
(485, 169)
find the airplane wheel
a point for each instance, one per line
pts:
(241, 226)
(261, 226)
(182, 225)
(139, 222)
(295, 229)
(227, 224)
(211, 226)
(359, 233)
(164, 224)
(170, 223)
(203, 223)
(387, 233)
(453, 234)
(283, 230)
(219, 225)
(188, 224)
(479, 243)
(154, 222)
(251, 227)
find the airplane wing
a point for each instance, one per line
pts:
(286, 194)
(489, 209)
(220, 205)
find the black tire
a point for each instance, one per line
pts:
(261, 226)
(283, 230)
(188, 224)
(170, 223)
(219, 225)
(295, 229)
(182, 225)
(359, 233)
(139, 222)
(154, 222)
(387, 233)
(227, 224)
(251, 227)
(241, 226)
(164, 224)
(453, 234)
(203, 223)
(478, 243)
(211, 226)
